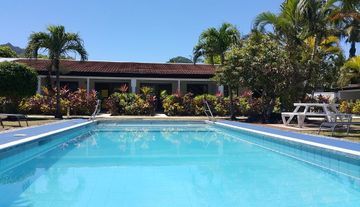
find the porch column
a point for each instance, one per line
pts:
(38, 91)
(87, 85)
(179, 86)
(133, 85)
(221, 89)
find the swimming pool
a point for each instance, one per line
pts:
(172, 163)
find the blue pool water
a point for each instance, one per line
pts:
(163, 164)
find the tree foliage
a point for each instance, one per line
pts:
(17, 80)
(180, 59)
(7, 52)
(261, 65)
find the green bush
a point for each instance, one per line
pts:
(17, 80)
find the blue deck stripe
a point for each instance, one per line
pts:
(7, 137)
(318, 139)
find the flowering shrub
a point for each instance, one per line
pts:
(317, 99)
(131, 103)
(79, 102)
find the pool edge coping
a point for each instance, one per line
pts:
(293, 139)
(42, 135)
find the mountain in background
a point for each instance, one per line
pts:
(19, 51)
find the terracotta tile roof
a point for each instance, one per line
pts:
(124, 69)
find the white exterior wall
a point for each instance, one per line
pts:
(82, 80)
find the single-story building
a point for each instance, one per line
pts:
(107, 77)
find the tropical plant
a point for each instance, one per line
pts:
(56, 42)
(350, 72)
(178, 105)
(314, 17)
(356, 107)
(326, 65)
(346, 106)
(7, 52)
(79, 102)
(286, 24)
(213, 43)
(130, 104)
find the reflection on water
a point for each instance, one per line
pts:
(162, 166)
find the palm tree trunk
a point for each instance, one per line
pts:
(49, 84)
(232, 112)
(316, 43)
(352, 51)
(312, 65)
(222, 59)
(58, 114)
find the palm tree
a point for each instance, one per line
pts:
(56, 42)
(215, 42)
(347, 16)
(350, 71)
(315, 21)
(285, 25)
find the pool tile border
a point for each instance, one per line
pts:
(349, 148)
(38, 132)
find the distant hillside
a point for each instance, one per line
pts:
(19, 51)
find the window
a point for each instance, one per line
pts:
(197, 89)
(71, 85)
(105, 89)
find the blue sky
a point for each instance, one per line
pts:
(129, 30)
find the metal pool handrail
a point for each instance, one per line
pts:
(96, 111)
(208, 111)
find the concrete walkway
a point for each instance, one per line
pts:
(24, 133)
(305, 137)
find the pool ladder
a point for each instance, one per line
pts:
(96, 111)
(208, 112)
